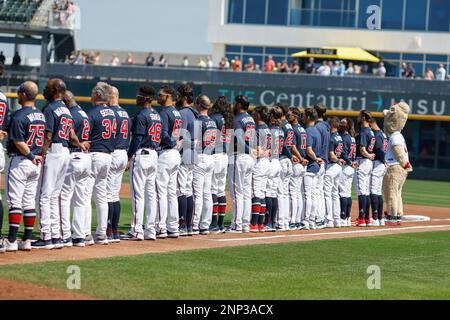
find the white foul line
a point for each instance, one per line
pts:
(331, 233)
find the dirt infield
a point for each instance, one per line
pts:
(14, 290)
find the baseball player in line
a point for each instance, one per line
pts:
(189, 158)
(241, 167)
(73, 190)
(26, 136)
(261, 169)
(168, 162)
(203, 170)
(347, 132)
(119, 163)
(365, 147)
(146, 130)
(56, 160)
(101, 122)
(220, 113)
(3, 133)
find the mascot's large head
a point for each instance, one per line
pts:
(395, 117)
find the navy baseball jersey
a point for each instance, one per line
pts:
(172, 123)
(223, 140)
(80, 125)
(277, 142)
(146, 130)
(3, 111)
(189, 133)
(27, 125)
(209, 134)
(263, 137)
(366, 139)
(336, 145)
(122, 128)
(244, 130)
(300, 137)
(59, 122)
(324, 129)
(313, 140)
(101, 135)
(349, 153)
(381, 144)
(289, 139)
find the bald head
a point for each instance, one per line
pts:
(55, 89)
(27, 93)
(114, 99)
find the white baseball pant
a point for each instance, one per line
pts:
(166, 184)
(2, 164)
(345, 182)
(274, 179)
(362, 177)
(331, 191)
(73, 195)
(284, 207)
(311, 197)
(241, 191)
(219, 177)
(296, 192)
(119, 163)
(21, 182)
(52, 177)
(185, 177)
(98, 190)
(376, 182)
(260, 175)
(321, 214)
(88, 204)
(203, 203)
(143, 190)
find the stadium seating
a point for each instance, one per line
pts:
(18, 11)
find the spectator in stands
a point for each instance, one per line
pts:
(381, 71)
(334, 68)
(201, 63)
(115, 61)
(440, 72)
(130, 59)
(269, 65)
(403, 70)
(222, 64)
(250, 65)
(429, 75)
(90, 58)
(350, 70)
(257, 68)
(358, 70)
(209, 62)
(295, 68)
(17, 60)
(284, 67)
(341, 71)
(236, 64)
(2, 58)
(150, 60)
(185, 62)
(410, 73)
(324, 69)
(97, 58)
(162, 61)
(310, 68)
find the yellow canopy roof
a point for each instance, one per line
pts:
(338, 53)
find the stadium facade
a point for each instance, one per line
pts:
(412, 31)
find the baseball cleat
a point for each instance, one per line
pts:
(344, 223)
(215, 230)
(150, 237)
(292, 227)
(195, 232)
(337, 224)
(67, 243)
(231, 230)
(79, 242)
(2, 247)
(373, 223)
(399, 221)
(161, 235)
(349, 222)
(89, 240)
(254, 229)
(25, 245)
(183, 231)
(190, 232)
(204, 232)
(43, 244)
(329, 224)
(101, 239)
(382, 223)
(261, 228)
(58, 243)
(10, 246)
(116, 237)
(173, 235)
(361, 223)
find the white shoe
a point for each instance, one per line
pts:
(373, 223)
(330, 224)
(10, 246)
(101, 240)
(344, 223)
(25, 245)
(382, 223)
(337, 224)
(349, 222)
(89, 240)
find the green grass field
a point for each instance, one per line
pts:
(413, 266)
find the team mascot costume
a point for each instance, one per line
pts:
(397, 161)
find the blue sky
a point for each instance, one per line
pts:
(173, 26)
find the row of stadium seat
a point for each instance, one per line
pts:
(18, 11)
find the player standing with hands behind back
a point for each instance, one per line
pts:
(26, 135)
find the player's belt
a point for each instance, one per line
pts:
(72, 150)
